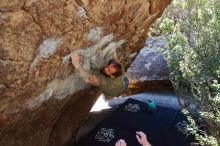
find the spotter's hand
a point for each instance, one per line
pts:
(142, 138)
(120, 142)
(75, 60)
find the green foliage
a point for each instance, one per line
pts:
(192, 30)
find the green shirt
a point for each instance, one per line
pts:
(111, 87)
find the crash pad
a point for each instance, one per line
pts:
(163, 127)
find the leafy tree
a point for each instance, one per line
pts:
(192, 31)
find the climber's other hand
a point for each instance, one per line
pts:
(75, 60)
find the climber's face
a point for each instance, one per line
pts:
(110, 69)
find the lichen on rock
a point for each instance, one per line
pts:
(45, 50)
(37, 101)
(97, 56)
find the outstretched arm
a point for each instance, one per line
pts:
(88, 78)
(115, 57)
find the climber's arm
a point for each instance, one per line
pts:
(88, 78)
(92, 80)
(115, 57)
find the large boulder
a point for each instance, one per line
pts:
(149, 71)
(43, 100)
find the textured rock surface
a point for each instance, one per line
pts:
(149, 70)
(42, 98)
(149, 63)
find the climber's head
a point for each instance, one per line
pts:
(112, 70)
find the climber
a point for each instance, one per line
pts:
(111, 81)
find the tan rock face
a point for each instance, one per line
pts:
(43, 100)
